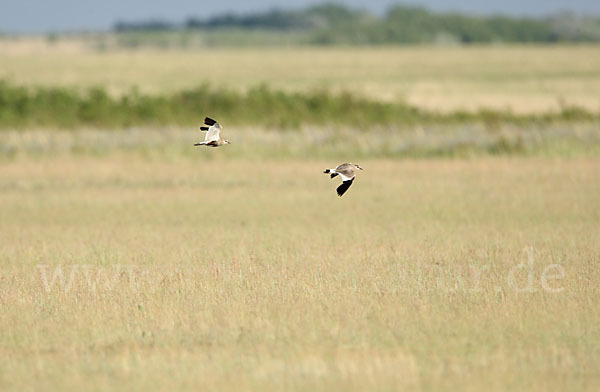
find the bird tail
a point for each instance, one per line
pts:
(331, 172)
(204, 128)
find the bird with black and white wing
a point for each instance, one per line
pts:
(346, 172)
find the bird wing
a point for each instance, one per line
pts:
(212, 135)
(343, 166)
(346, 171)
(344, 187)
(209, 121)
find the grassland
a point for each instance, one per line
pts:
(311, 142)
(223, 273)
(58, 107)
(239, 268)
(524, 79)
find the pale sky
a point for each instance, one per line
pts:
(38, 16)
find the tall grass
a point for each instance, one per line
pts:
(309, 142)
(23, 107)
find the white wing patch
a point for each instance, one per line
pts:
(212, 135)
(344, 178)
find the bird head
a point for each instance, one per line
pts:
(227, 142)
(358, 167)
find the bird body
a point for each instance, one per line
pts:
(213, 134)
(346, 172)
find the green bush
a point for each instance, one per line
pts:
(22, 107)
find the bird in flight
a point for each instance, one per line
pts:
(213, 134)
(346, 171)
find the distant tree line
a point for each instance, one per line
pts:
(331, 24)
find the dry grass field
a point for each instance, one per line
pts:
(464, 257)
(525, 79)
(219, 273)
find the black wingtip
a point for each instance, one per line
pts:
(204, 128)
(344, 187)
(209, 121)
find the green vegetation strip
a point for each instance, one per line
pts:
(26, 107)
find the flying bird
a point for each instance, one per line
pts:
(213, 134)
(346, 171)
